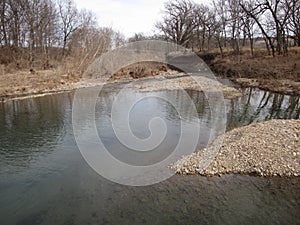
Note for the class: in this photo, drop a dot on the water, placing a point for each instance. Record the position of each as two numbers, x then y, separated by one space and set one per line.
257 106
44 179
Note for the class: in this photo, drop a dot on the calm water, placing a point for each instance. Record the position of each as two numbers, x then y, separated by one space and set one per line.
44 179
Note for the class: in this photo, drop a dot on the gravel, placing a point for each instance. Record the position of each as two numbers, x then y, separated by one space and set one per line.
266 149
196 83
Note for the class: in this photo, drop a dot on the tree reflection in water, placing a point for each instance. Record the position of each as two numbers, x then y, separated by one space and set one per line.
28 128
258 105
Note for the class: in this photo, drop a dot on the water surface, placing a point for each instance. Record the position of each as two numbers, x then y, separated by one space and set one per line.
44 179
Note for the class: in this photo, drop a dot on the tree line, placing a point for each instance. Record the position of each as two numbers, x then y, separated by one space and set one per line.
32 30
232 23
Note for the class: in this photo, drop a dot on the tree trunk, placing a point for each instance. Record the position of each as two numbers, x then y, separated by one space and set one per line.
220 47
4 33
64 46
267 46
203 40
251 45
31 48
272 47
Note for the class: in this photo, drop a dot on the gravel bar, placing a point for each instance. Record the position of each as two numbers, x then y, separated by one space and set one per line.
196 83
265 149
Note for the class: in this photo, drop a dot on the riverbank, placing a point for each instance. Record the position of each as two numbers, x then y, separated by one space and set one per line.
282 86
280 74
266 149
153 77
24 84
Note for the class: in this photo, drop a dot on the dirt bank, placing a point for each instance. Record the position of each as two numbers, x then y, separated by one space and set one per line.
283 86
269 148
24 84
280 74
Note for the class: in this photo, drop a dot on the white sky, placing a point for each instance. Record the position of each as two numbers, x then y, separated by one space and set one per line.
127 16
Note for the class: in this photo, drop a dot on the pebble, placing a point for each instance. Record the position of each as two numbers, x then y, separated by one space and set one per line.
183 82
257 151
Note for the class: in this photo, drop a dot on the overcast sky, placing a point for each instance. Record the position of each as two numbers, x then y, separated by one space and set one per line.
127 16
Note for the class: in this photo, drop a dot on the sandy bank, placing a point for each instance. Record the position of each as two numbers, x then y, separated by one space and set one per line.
269 148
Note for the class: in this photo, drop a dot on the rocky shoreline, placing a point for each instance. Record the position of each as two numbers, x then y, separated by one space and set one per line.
265 149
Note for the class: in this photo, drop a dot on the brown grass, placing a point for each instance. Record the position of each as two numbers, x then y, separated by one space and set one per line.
24 83
140 70
16 79
262 66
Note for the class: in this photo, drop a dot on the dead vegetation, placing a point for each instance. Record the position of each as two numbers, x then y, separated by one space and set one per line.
27 82
261 66
277 74
16 83
140 70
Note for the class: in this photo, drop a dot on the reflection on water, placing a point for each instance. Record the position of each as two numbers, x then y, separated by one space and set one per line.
44 179
140 116
259 105
31 128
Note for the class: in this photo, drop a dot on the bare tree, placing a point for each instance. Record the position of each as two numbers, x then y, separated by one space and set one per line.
218 34
69 17
204 31
248 27
39 31
220 6
178 22
255 10
294 20
138 37
280 11
33 19
17 19
3 22
118 39
235 15
89 42
271 16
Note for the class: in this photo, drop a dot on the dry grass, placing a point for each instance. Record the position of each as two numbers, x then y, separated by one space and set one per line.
21 83
36 82
140 70
261 66
17 81
279 74
18 78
